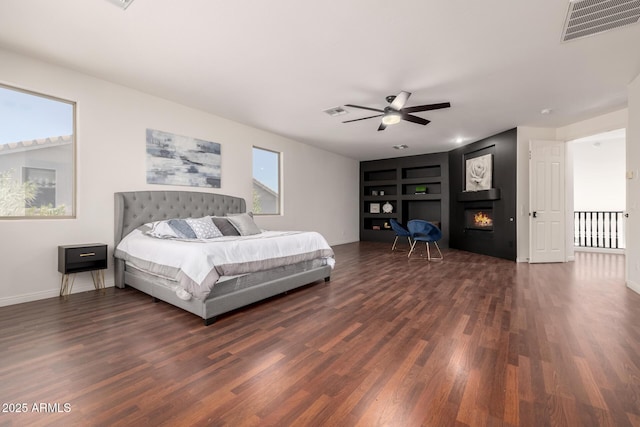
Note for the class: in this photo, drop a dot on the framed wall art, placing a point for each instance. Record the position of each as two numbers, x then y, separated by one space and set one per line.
479 173
182 160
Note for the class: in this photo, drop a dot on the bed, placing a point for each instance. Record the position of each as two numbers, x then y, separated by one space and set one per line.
228 291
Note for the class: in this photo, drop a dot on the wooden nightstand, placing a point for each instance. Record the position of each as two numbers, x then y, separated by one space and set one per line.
78 258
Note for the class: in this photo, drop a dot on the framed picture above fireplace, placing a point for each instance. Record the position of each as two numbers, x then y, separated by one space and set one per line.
479 173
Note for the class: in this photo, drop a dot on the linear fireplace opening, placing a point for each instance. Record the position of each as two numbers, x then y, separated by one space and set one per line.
478 219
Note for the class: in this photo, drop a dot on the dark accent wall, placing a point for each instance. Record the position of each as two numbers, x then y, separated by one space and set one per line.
501 242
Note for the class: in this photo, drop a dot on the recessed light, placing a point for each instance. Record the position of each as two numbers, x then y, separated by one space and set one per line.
459 140
400 146
545 111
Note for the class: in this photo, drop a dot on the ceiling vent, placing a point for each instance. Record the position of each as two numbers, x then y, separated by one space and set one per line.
339 111
124 4
589 17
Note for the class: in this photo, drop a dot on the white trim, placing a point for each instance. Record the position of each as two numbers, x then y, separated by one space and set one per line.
598 250
522 259
635 287
50 293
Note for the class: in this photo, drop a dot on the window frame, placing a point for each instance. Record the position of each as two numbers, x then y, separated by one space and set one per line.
279 204
74 170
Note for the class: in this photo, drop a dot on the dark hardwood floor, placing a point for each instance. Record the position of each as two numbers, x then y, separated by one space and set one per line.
470 341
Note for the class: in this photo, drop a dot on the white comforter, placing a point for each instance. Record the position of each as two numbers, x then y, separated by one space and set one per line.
197 265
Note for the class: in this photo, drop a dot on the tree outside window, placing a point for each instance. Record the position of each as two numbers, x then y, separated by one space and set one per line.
266 182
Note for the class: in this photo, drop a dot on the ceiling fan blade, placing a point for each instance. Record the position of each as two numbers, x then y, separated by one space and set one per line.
382 127
364 118
415 119
400 100
428 107
364 108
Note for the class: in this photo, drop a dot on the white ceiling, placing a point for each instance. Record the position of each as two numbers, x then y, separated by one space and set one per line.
276 65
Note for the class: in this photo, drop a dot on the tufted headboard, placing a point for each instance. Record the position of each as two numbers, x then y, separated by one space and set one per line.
134 208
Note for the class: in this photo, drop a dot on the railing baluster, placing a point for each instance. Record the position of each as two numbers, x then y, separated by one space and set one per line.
583 229
598 229
617 220
591 222
609 239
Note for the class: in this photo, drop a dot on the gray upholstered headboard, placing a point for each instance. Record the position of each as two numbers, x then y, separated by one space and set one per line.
134 208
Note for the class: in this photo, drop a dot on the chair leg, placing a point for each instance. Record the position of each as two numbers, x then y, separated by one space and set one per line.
439 251
426 244
434 258
413 245
393 248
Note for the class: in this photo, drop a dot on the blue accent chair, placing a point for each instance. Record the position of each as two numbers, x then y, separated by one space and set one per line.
424 231
401 231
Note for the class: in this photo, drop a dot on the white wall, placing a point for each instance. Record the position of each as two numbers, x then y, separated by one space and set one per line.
599 124
598 171
320 188
633 187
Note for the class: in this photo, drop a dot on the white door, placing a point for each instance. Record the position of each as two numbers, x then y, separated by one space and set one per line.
546 201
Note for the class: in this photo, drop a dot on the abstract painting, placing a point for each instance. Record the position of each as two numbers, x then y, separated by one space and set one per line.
479 171
182 160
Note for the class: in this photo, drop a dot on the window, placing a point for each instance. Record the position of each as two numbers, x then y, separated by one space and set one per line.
37 146
266 182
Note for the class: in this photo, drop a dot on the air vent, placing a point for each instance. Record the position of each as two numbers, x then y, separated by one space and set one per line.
589 17
339 111
124 4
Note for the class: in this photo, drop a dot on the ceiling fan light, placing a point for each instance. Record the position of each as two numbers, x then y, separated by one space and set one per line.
391 118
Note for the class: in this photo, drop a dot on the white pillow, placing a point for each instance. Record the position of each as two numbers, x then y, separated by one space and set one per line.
204 227
161 230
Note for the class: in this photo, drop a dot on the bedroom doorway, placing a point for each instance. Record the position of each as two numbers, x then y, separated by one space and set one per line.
599 192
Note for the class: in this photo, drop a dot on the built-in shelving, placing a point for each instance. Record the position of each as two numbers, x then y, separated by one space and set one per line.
417 187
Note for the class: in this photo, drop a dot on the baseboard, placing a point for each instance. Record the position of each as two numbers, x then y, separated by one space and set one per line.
598 250
50 293
522 259
635 287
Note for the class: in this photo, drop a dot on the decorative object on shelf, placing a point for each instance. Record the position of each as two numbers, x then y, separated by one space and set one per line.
479 171
386 226
421 189
382 192
374 208
374 192
387 208
375 227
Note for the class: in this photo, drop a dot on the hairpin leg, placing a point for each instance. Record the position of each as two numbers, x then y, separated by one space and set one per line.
393 248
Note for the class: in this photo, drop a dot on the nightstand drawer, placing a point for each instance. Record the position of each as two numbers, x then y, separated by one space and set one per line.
77 258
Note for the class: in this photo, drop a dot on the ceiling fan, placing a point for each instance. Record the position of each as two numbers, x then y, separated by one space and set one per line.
395 111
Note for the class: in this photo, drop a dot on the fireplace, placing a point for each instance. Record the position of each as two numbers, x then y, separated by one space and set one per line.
478 219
